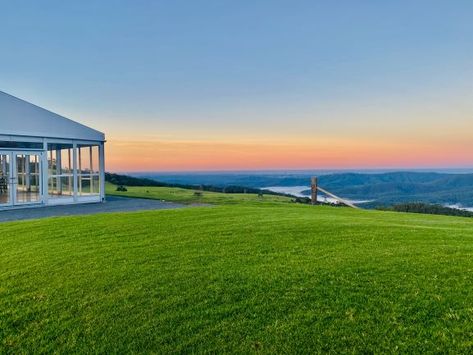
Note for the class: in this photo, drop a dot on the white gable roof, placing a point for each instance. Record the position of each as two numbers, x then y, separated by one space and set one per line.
20 118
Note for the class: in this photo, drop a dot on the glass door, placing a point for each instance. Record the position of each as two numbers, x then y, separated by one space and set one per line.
26 178
5 180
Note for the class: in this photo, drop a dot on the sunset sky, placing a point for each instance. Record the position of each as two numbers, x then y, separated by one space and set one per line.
236 85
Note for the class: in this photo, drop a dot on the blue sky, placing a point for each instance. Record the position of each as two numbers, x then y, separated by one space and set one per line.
245 70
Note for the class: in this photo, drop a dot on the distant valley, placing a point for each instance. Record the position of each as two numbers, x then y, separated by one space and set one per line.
381 189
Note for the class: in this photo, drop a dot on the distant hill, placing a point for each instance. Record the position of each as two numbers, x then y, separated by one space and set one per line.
391 188
255 180
383 188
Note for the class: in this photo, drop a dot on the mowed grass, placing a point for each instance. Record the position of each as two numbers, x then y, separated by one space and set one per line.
190 197
266 278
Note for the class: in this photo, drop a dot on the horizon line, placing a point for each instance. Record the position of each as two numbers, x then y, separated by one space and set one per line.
326 170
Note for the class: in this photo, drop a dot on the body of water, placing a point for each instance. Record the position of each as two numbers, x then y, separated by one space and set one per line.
292 190
459 207
297 191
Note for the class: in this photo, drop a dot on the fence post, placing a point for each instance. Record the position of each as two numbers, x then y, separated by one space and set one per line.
313 190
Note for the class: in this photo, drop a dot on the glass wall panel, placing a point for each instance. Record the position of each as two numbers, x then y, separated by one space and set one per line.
95 159
28 178
85 187
60 171
61 186
89 171
84 160
96 184
5 179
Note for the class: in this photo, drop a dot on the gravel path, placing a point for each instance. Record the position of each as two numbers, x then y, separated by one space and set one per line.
112 204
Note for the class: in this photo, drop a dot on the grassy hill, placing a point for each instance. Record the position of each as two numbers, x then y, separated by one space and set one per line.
189 196
245 276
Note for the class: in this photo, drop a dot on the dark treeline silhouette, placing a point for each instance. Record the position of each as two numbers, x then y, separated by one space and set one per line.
419 207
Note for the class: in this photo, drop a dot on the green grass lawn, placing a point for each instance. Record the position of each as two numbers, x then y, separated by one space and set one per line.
189 197
269 277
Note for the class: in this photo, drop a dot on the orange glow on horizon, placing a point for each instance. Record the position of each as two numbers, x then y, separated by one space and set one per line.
321 154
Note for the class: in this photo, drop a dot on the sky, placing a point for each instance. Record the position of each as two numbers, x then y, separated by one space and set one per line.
250 85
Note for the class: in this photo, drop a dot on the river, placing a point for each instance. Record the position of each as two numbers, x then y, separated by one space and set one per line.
297 191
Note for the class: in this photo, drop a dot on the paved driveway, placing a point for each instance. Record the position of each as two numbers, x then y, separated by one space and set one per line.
112 204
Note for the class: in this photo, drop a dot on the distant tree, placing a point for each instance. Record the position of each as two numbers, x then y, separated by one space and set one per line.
304 200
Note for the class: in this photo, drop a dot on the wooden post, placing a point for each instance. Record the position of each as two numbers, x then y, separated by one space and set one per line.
313 189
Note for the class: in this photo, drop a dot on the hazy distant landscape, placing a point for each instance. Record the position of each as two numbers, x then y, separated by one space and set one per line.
378 187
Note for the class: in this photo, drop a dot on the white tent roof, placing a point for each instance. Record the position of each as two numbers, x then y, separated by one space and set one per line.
20 118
